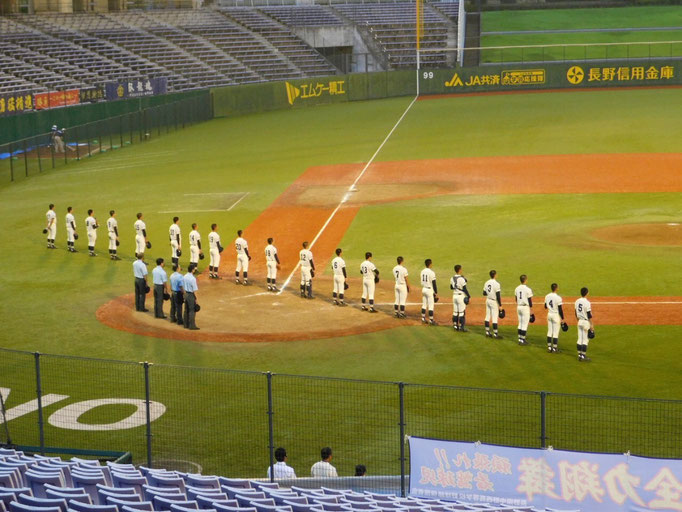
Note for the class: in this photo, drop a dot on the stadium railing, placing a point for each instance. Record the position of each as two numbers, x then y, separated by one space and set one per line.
230 422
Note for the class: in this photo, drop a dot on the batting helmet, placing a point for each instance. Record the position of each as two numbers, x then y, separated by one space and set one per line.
590 334
532 318
149 244
502 313
564 326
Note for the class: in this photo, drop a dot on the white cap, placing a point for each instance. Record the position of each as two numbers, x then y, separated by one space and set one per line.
54 126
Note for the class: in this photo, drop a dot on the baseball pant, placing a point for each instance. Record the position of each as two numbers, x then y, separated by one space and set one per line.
190 303
193 254
139 244
458 306
215 258
174 248
272 269
112 241
553 325
69 234
176 307
338 284
58 144
523 312
242 263
400 294
583 327
368 287
305 276
140 293
52 232
158 300
427 299
92 238
492 310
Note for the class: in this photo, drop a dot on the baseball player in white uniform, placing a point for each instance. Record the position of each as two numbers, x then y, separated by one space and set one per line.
195 245
583 312
112 229
214 249
460 299
555 318
51 227
370 276
71 234
272 264
174 238
243 258
307 271
429 292
91 230
402 288
523 296
493 304
141 236
339 277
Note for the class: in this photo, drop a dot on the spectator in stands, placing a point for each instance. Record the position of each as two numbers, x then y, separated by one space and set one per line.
360 470
282 471
323 468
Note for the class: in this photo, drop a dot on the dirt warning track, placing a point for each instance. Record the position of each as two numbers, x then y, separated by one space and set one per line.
235 313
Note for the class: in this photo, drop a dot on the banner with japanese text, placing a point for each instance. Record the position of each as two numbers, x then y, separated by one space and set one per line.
136 88
15 103
54 99
503 475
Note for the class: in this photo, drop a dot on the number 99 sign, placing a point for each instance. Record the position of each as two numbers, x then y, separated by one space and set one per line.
427 75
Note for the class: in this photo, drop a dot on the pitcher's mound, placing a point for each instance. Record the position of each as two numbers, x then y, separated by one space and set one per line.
231 312
664 233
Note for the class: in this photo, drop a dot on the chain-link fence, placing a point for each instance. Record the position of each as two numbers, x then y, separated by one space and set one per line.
28 157
230 422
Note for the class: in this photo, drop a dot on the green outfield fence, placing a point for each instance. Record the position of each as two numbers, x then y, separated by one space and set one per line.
93 129
229 422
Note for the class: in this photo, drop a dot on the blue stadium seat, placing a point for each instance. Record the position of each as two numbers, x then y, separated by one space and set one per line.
25 499
9 478
336 507
234 482
304 508
84 507
164 502
175 507
370 505
83 497
203 482
245 499
88 484
222 508
158 480
20 507
145 506
129 480
264 485
325 499
209 494
281 499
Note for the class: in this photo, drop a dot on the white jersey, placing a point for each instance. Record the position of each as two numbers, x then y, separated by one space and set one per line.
582 308
552 302
270 253
523 293
457 283
90 224
427 277
194 238
112 225
338 265
70 221
140 226
491 287
174 233
241 245
400 274
51 217
367 269
213 240
306 257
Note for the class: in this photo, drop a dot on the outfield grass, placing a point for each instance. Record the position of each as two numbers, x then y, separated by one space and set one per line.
51 297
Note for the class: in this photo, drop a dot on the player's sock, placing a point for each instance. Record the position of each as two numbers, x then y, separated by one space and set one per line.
495 328
549 341
341 297
302 286
487 327
423 315
334 295
555 343
246 276
310 290
402 309
455 321
461 322
371 304
579 349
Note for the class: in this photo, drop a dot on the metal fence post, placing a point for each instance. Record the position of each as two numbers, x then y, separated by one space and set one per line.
36 141
25 157
148 413
401 390
39 393
271 430
543 419
11 163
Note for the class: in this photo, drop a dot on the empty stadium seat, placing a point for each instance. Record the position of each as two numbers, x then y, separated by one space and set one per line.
25 499
36 480
133 507
85 507
203 482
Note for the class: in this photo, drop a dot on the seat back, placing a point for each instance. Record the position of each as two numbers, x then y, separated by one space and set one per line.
83 497
157 480
203 482
25 499
85 507
15 506
36 480
135 507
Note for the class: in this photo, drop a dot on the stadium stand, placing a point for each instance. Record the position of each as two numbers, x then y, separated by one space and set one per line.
50 484
303 15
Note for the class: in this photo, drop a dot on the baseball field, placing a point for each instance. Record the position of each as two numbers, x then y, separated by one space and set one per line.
578 188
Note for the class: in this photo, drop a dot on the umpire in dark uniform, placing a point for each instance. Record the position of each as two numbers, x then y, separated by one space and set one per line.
160 287
140 272
189 284
176 295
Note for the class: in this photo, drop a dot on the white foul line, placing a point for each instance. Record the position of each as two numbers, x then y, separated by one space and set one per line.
238 201
348 192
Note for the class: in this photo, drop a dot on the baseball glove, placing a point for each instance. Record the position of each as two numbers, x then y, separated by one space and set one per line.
166 296
502 313
345 286
376 279
147 289
436 298
44 231
75 236
532 318
590 334
221 249
118 243
149 244
201 256
466 300
312 273
178 252
564 326
197 307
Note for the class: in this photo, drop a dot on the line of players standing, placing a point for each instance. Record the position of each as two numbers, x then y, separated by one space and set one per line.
370 276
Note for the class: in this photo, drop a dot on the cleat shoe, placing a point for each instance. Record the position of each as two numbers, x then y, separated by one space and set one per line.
336 302
550 349
497 336
432 322
92 254
464 329
364 308
396 314
342 304
455 327
246 283
403 315
274 288
372 310
488 335
237 281
523 342
424 320
310 297
302 295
